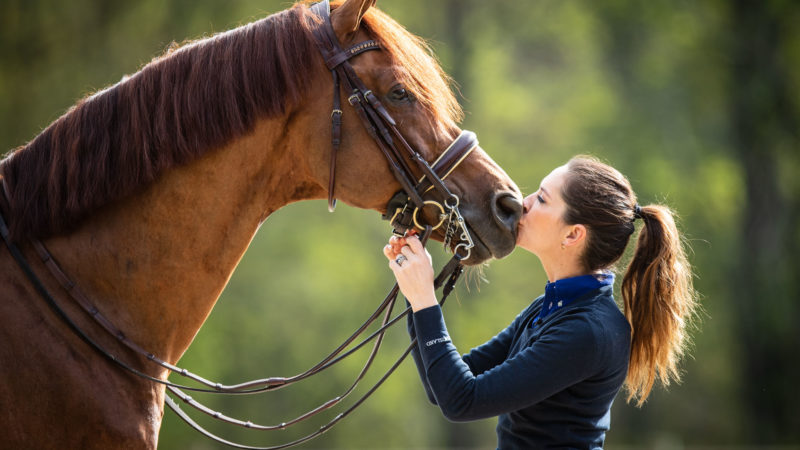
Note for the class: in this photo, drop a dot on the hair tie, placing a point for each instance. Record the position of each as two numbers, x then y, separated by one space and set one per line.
637 212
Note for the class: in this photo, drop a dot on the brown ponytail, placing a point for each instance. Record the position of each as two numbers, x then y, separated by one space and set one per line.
657 293
659 303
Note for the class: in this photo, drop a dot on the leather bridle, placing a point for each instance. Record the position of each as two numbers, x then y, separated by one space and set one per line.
403 209
402 212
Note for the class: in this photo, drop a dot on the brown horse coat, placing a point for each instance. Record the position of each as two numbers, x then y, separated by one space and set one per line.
149 192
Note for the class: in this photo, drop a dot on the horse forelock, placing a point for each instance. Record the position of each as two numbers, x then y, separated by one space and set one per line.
419 71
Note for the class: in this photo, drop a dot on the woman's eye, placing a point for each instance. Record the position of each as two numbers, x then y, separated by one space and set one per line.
541 200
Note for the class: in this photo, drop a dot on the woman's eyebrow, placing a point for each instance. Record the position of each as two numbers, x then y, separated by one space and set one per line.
544 191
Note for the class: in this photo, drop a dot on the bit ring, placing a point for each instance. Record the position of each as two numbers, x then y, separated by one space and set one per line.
442 215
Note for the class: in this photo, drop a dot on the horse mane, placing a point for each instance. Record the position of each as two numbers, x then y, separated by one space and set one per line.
194 98
416 68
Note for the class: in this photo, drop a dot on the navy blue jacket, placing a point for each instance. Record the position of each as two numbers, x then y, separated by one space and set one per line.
551 376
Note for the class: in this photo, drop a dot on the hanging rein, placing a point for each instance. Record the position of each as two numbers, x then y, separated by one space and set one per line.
402 212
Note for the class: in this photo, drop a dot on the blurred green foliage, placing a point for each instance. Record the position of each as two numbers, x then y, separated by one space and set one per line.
697 102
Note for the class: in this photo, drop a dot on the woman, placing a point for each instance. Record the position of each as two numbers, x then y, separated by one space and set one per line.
552 375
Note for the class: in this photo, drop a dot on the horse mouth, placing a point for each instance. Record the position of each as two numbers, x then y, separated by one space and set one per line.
479 253
491 238
482 252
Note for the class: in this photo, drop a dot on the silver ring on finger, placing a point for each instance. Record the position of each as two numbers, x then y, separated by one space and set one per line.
399 260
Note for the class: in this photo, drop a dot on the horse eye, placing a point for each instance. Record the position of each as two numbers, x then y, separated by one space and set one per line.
399 94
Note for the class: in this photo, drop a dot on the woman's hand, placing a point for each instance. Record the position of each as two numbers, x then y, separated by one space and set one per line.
414 271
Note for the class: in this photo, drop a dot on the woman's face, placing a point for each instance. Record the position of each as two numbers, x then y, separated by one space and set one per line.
542 229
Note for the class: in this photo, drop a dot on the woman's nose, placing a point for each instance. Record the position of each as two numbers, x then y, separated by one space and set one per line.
526 204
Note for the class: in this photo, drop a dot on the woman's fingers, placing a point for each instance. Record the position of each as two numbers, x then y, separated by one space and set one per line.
397 243
409 246
415 244
407 251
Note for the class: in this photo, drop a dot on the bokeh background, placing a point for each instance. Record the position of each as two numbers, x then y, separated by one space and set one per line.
697 102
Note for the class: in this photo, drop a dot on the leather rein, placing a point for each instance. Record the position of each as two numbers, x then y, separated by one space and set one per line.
402 212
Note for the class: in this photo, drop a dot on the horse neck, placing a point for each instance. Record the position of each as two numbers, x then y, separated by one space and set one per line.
156 263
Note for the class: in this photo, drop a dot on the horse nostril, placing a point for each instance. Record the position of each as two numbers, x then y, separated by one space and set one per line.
507 210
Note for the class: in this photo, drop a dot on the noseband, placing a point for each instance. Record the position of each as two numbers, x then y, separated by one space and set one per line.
403 209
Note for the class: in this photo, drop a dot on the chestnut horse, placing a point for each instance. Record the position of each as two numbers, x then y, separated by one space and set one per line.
149 192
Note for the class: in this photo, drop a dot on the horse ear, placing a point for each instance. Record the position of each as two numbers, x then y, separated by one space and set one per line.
347 17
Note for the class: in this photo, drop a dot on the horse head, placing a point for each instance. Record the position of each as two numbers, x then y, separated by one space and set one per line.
411 89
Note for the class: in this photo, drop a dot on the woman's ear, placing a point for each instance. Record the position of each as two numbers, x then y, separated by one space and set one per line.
576 235
347 17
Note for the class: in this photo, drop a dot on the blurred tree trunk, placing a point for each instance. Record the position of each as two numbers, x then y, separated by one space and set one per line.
764 133
458 40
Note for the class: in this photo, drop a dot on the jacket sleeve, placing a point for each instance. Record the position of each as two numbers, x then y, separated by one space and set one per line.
561 357
479 360
415 355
